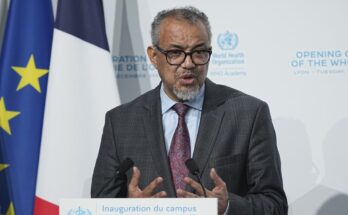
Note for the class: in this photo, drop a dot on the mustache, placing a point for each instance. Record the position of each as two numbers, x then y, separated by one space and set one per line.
193 74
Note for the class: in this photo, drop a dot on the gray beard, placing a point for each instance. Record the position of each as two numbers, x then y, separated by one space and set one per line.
186 95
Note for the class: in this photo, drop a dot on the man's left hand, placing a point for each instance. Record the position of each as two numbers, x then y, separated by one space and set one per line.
219 191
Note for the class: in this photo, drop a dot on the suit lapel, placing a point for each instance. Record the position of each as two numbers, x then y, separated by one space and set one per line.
154 131
209 126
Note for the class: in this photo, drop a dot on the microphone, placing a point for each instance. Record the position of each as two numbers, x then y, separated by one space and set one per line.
193 168
125 166
118 181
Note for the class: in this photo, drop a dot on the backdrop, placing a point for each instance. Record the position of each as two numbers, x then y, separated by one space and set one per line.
291 54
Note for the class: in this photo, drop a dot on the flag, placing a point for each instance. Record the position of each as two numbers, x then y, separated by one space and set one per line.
81 88
24 66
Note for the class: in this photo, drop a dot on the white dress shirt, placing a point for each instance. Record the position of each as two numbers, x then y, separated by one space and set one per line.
192 117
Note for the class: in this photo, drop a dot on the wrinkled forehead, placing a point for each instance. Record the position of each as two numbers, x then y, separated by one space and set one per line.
173 26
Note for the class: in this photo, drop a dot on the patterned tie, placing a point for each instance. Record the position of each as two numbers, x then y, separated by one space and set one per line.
180 148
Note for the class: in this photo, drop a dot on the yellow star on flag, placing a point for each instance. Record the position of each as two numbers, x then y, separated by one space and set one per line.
3 166
30 75
10 210
6 116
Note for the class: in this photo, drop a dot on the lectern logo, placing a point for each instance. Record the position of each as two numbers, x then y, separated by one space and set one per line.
79 211
227 40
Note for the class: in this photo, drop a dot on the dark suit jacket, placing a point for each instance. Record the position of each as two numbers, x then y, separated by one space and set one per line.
235 136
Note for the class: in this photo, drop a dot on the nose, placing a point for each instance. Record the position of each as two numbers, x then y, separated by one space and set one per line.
188 63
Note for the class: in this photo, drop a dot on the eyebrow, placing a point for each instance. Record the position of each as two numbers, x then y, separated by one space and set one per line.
193 48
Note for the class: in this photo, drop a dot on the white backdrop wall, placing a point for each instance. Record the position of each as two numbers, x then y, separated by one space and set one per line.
293 54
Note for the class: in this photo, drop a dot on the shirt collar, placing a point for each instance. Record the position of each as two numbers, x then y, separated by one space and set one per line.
168 103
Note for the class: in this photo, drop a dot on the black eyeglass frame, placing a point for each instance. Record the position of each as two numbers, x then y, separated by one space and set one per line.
166 52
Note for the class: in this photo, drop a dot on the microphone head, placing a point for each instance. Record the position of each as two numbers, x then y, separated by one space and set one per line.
192 166
125 166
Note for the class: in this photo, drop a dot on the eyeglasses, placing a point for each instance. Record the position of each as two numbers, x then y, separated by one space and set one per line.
177 57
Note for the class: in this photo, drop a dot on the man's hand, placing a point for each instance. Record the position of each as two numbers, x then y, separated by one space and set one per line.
219 191
135 192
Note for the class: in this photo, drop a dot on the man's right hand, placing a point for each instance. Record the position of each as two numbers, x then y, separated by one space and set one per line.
148 192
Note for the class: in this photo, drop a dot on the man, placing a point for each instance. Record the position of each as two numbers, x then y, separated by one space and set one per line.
228 133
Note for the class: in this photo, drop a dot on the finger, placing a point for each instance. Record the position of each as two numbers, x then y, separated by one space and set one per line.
195 185
160 194
185 194
216 178
135 178
149 189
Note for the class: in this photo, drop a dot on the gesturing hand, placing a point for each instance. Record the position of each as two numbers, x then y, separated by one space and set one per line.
135 192
219 191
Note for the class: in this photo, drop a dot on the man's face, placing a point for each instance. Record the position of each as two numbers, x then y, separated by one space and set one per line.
180 82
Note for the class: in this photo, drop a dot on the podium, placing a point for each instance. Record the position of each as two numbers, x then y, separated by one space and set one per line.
139 206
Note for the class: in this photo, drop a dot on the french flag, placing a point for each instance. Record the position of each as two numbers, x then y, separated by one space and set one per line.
81 88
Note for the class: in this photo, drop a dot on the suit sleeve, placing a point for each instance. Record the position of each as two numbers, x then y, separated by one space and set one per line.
105 184
265 194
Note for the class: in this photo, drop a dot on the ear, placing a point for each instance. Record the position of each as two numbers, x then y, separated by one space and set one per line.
152 54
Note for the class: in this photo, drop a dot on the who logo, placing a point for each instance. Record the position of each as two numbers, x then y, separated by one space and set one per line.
228 40
79 211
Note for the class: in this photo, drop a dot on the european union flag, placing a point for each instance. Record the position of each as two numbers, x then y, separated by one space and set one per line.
24 66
